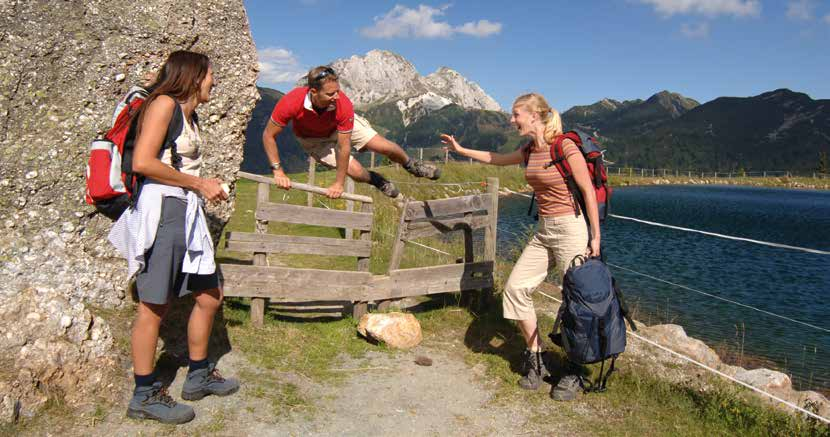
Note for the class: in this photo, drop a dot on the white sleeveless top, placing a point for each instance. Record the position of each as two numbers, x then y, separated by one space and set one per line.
188 146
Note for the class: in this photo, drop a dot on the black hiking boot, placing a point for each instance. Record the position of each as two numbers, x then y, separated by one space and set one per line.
152 402
384 185
208 381
533 370
566 389
421 169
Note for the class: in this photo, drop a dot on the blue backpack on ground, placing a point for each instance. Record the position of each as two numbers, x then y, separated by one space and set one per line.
591 318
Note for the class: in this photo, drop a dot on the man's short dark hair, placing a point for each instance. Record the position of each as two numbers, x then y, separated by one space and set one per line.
317 76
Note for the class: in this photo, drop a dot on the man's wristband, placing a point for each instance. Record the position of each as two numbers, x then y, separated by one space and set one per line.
276 165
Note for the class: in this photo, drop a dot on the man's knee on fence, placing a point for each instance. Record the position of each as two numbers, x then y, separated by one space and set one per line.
517 302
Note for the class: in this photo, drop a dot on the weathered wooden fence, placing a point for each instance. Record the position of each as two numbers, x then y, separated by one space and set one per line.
264 283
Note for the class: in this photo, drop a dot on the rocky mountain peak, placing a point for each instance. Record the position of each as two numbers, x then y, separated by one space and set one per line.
381 76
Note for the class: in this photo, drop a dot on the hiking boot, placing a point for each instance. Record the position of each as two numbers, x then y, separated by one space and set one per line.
388 188
153 402
208 381
566 389
533 369
420 169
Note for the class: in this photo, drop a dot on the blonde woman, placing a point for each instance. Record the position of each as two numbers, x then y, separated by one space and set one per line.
562 233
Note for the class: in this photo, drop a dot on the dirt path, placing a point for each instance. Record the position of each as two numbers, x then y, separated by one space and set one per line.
383 394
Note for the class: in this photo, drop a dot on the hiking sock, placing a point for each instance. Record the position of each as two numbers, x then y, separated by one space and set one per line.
376 180
196 365
409 163
144 380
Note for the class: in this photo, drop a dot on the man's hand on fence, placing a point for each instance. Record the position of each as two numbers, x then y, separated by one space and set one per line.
335 190
281 179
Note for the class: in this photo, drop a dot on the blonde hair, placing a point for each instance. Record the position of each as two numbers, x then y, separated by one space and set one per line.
536 103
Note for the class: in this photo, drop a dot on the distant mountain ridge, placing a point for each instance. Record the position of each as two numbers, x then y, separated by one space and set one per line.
776 130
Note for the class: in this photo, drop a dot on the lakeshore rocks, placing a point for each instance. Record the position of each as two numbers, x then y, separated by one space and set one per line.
397 330
779 384
63 66
674 337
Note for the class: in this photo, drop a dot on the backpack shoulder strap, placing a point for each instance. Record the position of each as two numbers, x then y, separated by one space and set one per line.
174 129
526 151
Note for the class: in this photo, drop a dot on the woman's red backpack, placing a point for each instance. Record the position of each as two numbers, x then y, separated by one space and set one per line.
592 153
111 185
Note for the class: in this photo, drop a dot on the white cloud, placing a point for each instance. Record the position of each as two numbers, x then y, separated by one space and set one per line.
278 65
711 8
404 22
800 9
701 30
480 29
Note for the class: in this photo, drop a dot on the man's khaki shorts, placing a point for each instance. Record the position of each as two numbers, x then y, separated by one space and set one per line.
323 150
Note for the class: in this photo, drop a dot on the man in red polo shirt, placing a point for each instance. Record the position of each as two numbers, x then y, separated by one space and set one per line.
327 127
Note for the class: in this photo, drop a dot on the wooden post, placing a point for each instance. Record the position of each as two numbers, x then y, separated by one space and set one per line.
471 160
372 160
630 172
398 244
446 156
490 233
312 169
421 153
363 264
349 205
260 259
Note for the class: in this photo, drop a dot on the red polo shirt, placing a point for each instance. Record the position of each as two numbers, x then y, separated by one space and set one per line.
296 106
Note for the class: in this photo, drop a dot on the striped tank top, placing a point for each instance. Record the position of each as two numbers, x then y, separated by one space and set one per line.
552 194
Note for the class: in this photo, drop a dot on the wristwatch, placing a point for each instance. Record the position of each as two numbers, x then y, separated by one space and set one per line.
276 165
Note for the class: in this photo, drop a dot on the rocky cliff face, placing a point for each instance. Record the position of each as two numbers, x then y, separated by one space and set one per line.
63 66
382 76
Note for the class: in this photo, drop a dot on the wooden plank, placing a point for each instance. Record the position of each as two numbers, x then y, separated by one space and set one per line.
438 279
443 207
442 225
283 284
268 243
283 212
303 187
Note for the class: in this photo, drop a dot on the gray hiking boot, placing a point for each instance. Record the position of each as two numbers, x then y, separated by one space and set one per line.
567 388
420 169
203 382
153 402
534 370
388 188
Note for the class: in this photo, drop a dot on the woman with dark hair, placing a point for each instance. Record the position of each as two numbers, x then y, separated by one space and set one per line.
562 233
165 237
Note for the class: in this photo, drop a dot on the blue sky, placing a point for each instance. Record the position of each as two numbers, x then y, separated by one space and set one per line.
573 52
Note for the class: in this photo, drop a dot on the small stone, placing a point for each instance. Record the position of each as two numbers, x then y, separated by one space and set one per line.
34 317
122 55
66 322
9 224
31 175
5 183
67 227
120 77
423 361
214 118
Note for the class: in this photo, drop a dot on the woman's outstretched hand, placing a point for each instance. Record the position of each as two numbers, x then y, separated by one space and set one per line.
452 144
